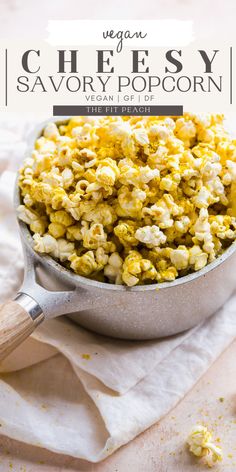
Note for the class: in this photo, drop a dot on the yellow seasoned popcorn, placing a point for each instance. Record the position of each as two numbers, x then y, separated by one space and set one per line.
132 200
201 445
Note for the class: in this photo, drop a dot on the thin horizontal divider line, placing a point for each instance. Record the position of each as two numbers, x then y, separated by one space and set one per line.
113 110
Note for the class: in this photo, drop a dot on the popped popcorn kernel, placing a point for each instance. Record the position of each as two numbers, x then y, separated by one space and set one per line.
201 445
129 200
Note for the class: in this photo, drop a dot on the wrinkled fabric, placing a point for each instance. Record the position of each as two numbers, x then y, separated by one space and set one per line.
82 394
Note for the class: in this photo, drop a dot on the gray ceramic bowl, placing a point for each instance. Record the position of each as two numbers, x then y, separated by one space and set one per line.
142 312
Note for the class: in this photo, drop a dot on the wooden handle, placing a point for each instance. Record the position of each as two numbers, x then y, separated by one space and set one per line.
15 326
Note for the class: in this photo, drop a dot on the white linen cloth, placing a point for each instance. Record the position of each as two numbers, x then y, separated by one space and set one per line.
82 394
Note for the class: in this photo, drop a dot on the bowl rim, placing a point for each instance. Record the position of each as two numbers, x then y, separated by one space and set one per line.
84 281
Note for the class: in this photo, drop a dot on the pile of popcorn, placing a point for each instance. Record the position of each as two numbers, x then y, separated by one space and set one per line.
132 200
201 445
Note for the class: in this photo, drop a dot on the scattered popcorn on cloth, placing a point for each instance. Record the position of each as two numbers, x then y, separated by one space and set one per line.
79 393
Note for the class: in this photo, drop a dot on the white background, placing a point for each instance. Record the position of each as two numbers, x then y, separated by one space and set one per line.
29 18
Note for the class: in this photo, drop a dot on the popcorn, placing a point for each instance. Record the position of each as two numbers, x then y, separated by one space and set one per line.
113 269
141 137
51 131
83 265
168 184
44 145
131 174
45 244
180 257
204 198
182 224
185 130
107 172
161 131
60 249
132 200
202 225
147 174
36 223
52 178
162 211
56 230
136 268
197 257
231 166
67 178
61 217
101 258
125 232
201 445
74 233
152 236
28 201
128 203
93 237
101 213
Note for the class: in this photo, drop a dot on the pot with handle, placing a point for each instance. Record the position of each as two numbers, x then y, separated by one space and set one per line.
140 312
